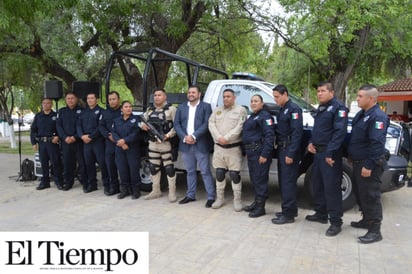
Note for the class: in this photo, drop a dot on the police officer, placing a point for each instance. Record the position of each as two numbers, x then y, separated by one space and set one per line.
125 132
161 116
71 145
328 134
225 126
88 130
367 153
105 126
258 137
43 136
289 131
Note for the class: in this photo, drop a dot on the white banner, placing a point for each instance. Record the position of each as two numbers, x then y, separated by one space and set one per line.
74 252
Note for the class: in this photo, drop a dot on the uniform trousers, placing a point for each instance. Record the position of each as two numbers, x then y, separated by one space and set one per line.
369 192
259 174
49 152
288 175
128 162
94 152
109 151
72 155
327 192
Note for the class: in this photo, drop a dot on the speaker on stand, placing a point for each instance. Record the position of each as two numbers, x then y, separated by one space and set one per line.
53 89
83 88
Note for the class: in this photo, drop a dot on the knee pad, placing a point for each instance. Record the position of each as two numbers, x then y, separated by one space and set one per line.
170 170
220 174
154 169
235 176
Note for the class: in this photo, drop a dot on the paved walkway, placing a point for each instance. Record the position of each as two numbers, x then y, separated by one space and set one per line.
193 239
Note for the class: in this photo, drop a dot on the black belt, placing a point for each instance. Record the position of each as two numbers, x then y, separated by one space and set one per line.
230 145
44 139
321 148
253 146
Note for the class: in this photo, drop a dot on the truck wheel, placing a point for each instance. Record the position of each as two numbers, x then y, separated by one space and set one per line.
348 194
146 182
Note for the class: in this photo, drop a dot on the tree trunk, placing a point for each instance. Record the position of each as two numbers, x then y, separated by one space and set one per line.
340 81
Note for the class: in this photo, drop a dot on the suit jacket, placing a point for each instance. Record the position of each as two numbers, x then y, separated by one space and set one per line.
204 141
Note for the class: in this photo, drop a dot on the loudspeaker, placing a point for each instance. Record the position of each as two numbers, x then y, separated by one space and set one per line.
82 88
53 89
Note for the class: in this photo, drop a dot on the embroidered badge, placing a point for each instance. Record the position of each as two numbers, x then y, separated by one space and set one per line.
342 113
330 108
97 112
133 121
218 112
269 122
79 111
295 116
366 118
378 125
286 111
54 118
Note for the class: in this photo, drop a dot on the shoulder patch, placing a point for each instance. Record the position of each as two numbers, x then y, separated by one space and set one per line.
295 116
342 113
379 125
269 122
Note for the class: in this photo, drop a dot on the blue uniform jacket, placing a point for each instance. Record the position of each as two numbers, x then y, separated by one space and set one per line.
106 122
368 136
289 128
88 122
259 128
66 122
43 126
125 129
203 138
331 121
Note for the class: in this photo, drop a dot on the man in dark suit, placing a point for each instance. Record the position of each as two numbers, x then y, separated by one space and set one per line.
191 125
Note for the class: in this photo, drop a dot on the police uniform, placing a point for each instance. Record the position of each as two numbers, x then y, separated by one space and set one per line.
161 153
128 161
88 124
43 130
258 138
72 153
228 122
367 149
328 134
105 126
289 131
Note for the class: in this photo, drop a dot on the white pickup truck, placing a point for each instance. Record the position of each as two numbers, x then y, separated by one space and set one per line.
394 177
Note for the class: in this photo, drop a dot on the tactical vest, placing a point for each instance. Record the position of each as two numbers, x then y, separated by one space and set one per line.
159 120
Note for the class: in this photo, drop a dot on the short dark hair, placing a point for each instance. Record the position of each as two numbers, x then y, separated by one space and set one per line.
328 85
281 89
194 86
258 95
125 102
229 90
114 92
159 89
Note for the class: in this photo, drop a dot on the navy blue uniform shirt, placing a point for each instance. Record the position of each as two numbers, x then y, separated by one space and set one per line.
331 121
88 122
66 122
44 125
259 128
368 136
106 122
289 128
126 129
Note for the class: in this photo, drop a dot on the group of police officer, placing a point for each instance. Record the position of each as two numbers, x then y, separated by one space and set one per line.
88 135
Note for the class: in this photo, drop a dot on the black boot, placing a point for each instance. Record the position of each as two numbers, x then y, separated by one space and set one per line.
250 207
259 209
114 190
124 192
106 190
373 234
135 192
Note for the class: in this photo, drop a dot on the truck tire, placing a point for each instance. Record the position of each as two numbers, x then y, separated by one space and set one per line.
348 194
146 181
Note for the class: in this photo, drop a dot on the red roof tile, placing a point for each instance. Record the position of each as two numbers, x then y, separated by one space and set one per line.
399 85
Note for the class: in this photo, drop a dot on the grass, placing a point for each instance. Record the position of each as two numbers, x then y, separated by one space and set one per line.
26 147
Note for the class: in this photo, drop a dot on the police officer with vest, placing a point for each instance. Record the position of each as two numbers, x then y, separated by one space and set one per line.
125 132
225 126
289 131
328 134
88 130
258 137
44 138
71 145
161 116
105 125
367 153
